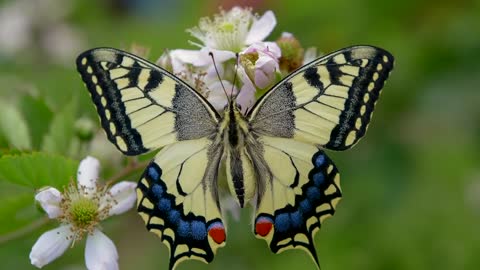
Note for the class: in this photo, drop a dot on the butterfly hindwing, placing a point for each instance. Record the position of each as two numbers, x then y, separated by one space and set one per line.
178 200
328 102
302 192
141 106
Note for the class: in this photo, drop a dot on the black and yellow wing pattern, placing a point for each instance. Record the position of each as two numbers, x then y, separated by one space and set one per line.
143 107
327 103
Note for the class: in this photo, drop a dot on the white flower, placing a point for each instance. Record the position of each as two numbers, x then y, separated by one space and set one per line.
80 209
233 30
260 61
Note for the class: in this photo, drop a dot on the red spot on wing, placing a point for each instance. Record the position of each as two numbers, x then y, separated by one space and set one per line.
217 233
263 226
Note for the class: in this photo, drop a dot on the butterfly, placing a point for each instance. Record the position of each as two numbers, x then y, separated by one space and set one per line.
273 156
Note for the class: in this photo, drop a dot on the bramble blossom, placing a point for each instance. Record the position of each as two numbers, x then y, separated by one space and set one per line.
236 34
80 209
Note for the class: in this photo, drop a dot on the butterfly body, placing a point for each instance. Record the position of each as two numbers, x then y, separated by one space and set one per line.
275 153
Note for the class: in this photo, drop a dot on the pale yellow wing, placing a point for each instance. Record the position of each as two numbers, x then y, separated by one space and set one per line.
328 102
301 190
177 198
141 106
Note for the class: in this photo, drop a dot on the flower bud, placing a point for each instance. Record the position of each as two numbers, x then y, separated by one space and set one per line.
260 61
84 128
292 53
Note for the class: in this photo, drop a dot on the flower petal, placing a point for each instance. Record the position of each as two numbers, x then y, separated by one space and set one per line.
246 97
100 252
87 175
216 94
51 245
124 197
50 198
261 28
200 57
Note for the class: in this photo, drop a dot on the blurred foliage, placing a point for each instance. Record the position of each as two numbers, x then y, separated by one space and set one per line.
411 187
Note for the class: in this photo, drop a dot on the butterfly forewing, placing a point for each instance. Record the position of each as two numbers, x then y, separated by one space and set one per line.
141 106
328 102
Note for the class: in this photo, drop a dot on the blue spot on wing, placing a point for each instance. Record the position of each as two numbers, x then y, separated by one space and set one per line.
157 190
318 178
164 205
282 222
154 173
313 193
320 160
297 219
199 230
173 216
305 206
184 228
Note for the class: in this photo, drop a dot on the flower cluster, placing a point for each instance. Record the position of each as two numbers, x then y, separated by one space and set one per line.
259 65
80 209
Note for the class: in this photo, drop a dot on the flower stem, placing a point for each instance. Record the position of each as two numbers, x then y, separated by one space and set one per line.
24 230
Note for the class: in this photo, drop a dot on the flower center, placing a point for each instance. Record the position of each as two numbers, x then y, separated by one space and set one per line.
83 212
227 27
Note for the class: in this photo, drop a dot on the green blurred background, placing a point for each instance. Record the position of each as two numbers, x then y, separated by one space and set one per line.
411 187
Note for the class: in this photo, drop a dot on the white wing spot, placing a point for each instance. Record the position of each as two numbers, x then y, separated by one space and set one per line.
99 90
371 86
121 143
379 67
351 137
375 76
363 109
94 79
385 59
103 101
104 65
89 70
366 97
113 128
358 123
84 61
107 114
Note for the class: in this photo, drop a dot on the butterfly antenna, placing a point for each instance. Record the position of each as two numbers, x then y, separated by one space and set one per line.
235 76
218 75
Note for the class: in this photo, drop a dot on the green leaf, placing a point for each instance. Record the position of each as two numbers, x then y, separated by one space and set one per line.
13 126
19 210
61 132
37 170
38 116
20 176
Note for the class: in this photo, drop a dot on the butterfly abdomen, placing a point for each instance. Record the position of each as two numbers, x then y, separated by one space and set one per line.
240 171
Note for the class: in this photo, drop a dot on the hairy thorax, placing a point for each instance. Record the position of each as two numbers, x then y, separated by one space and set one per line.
238 142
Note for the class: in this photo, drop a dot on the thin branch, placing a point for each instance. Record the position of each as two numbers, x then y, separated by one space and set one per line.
24 231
